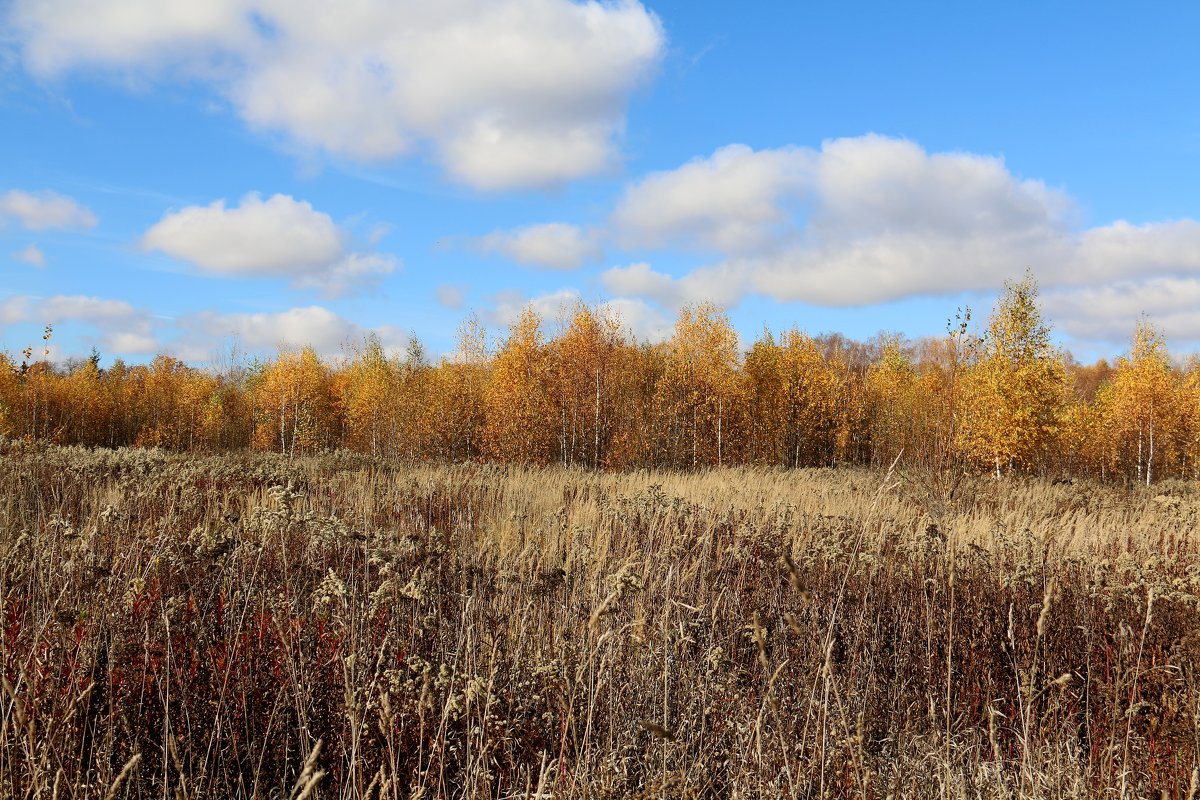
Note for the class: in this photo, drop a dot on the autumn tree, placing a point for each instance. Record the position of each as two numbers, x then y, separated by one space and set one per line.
850 361
585 357
1086 379
367 390
697 397
638 433
10 397
1144 408
594 396
794 396
228 417
1015 390
413 419
1190 413
169 401
456 395
116 386
762 391
293 403
33 414
519 411
87 406
1083 441
894 399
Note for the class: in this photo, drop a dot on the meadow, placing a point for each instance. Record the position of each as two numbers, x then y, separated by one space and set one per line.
343 626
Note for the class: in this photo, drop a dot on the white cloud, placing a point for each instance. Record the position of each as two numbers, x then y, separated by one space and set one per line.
873 219
1122 250
733 201
640 319
553 245
132 343
121 328
315 326
723 284
640 280
353 272
378 233
894 266
45 210
14 309
126 33
276 237
31 255
553 307
510 93
1109 313
87 309
491 155
875 185
556 309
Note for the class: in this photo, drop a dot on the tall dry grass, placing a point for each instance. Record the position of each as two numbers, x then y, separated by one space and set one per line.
179 626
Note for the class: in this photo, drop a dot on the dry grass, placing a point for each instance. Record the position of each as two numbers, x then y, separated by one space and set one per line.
180 626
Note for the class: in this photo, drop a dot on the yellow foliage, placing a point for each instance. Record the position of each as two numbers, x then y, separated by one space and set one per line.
294 404
797 400
519 417
698 395
592 396
1144 410
585 360
1015 391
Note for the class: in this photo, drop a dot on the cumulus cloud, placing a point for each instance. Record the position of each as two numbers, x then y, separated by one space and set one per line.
875 184
120 327
733 201
643 321
553 307
872 219
1109 313
640 280
352 272
127 33
1125 250
510 93
31 255
553 245
723 284
14 309
45 210
309 326
276 237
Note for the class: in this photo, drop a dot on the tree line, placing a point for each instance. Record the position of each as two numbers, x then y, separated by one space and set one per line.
1003 399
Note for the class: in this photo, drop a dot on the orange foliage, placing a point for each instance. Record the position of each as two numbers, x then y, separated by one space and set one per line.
593 396
294 404
519 411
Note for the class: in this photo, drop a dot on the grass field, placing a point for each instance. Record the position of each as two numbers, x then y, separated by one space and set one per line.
250 625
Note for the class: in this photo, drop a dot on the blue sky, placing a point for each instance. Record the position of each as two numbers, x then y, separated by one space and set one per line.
178 175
